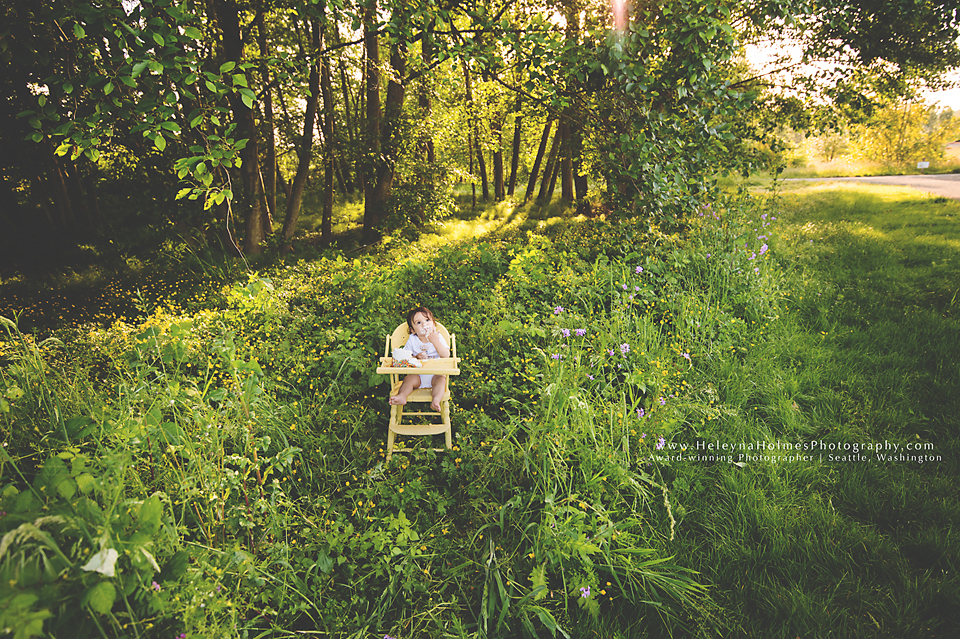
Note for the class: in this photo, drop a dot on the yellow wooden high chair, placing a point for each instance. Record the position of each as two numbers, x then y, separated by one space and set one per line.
425 421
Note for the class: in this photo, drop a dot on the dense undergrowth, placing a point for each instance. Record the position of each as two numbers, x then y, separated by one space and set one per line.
221 472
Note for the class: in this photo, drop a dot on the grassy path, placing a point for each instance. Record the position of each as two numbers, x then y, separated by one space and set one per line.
845 544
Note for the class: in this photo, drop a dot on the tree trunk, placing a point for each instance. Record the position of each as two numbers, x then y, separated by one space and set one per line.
566 161
496 127
350 122
79 198
473 183
228 19
515 154
329 163
93 202
532 181
474 132
377 194
553 182
372 204
282 183
306 144
68 221
550 172
573 133
270 179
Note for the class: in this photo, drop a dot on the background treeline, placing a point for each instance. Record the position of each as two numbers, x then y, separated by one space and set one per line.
217 121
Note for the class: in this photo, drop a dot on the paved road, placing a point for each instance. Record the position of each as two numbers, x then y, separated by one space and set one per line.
944 185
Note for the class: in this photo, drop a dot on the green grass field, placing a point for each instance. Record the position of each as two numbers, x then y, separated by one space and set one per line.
659 431
866 354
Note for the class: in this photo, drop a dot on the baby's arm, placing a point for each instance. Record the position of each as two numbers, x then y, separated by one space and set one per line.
441 344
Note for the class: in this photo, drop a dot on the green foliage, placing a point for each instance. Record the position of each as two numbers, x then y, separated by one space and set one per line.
240 446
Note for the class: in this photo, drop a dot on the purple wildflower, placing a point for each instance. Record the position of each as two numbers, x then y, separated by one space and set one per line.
640 413
555 356
661 442
624 349
764 249
686 355
624 286
558 310
580 332
611 352
639 269
663 401
155 586
565 332
585 592
590 376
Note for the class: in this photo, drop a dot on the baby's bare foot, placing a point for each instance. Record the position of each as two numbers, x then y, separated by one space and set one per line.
396 400
435 406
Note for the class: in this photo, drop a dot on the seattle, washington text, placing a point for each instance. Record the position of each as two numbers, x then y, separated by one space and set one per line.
813 450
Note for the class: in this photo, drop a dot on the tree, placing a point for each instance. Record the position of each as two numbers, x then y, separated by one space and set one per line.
305 151
905 133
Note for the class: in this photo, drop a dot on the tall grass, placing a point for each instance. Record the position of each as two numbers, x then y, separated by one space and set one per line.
233 457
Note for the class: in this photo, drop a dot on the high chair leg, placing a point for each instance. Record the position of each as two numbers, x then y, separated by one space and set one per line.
445 408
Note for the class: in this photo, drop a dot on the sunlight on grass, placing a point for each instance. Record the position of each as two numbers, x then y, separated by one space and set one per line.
497 217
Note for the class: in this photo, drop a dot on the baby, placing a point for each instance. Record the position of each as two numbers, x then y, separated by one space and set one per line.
427 343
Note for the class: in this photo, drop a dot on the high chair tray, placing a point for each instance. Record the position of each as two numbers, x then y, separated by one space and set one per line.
441 366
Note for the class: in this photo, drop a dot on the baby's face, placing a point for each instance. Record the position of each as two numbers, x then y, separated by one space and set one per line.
420 324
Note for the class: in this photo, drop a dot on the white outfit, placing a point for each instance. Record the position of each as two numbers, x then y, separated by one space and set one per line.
415 345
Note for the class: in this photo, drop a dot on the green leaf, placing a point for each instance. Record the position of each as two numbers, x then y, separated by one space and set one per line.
227 66
108 89
239 80
247 100
160 143
78 31
86 482
158 39
550 622
149 515
100 598
193 33
539 578
30 624
170 126
138 68
182 193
